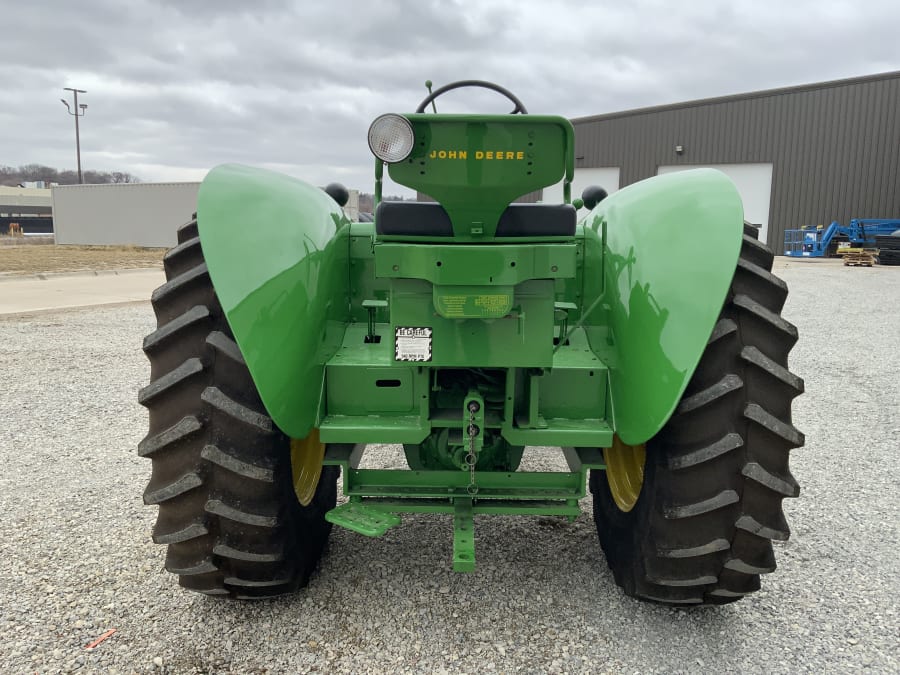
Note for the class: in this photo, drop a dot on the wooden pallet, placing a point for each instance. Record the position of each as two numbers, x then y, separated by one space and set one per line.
859 258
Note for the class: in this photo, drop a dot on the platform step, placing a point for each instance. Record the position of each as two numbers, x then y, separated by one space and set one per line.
363 519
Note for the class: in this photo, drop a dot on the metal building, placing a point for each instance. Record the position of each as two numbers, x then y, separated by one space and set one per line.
140 214
799 155
27 209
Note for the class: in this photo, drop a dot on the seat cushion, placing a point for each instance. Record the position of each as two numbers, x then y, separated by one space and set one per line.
418 219
537 220
428 219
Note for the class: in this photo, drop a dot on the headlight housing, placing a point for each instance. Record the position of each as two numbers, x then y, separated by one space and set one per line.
391 138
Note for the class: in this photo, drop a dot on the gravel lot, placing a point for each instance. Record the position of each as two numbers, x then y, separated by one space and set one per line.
76 558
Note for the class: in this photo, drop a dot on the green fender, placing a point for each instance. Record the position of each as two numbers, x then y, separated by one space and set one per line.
665 251
277 253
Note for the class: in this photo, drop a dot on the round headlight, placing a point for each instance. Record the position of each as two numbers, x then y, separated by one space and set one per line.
391 138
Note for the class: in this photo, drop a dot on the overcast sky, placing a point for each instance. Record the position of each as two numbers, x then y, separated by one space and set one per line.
176 87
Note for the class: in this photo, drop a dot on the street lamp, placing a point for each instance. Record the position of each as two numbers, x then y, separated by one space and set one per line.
77 114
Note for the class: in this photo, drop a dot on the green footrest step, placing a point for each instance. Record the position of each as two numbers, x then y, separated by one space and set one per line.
363 519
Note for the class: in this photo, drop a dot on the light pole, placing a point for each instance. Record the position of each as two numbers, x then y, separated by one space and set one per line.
77 114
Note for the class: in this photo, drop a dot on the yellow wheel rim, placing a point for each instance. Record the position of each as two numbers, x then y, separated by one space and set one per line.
625 472
306 465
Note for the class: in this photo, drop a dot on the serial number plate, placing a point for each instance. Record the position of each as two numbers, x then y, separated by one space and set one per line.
412 344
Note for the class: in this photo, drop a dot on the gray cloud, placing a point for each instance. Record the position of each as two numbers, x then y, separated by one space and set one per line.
175 87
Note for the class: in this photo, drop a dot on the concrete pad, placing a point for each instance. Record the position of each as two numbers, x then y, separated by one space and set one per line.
43 292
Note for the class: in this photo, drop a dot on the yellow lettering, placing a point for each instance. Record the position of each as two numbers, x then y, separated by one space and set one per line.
498 154
433 154
442 154
520 155
489 154
463 154
479 154
451 154
510 155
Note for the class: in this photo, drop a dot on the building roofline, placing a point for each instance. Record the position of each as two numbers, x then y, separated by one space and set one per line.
110 185
765 93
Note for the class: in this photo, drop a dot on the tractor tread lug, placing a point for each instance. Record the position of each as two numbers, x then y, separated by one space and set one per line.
181 248
748 304
753 355
787 487
223 510
185 427
265 593
724 445
705 580
219 400
779 533
729 383
192 531
722 328
755 249
214 454
763 274
715 546
671 601
165 332
726 593
183 484
173 378
205 566
756 413
720 501
226 551
175 285
225 346
738 565
257 583
188 231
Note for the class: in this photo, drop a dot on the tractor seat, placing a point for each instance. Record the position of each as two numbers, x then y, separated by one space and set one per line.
427 219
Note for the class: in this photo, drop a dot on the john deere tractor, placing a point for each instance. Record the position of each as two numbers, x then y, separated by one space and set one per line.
639 336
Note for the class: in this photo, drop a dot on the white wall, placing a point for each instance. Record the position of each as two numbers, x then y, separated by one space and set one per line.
24 201
140 214
754 183
606 177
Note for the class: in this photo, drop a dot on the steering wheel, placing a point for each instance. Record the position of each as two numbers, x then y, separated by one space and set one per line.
473 83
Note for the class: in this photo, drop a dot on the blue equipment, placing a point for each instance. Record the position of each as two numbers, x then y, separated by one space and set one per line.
814 241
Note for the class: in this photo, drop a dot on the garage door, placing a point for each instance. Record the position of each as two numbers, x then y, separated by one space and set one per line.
754 183
605 177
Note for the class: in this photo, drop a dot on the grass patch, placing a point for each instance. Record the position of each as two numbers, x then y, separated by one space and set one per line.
27 258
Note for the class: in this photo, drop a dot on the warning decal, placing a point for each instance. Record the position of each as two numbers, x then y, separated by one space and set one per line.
412 344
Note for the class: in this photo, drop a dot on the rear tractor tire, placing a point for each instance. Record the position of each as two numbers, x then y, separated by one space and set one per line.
221 469
693 523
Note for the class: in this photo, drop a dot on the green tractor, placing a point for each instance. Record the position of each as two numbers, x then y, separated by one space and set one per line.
643 342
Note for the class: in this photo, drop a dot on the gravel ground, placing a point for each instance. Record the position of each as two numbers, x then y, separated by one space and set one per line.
76 558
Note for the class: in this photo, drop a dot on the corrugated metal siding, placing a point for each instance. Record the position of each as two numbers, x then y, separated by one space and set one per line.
834 146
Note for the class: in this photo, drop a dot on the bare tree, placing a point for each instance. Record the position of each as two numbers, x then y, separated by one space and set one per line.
13 176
